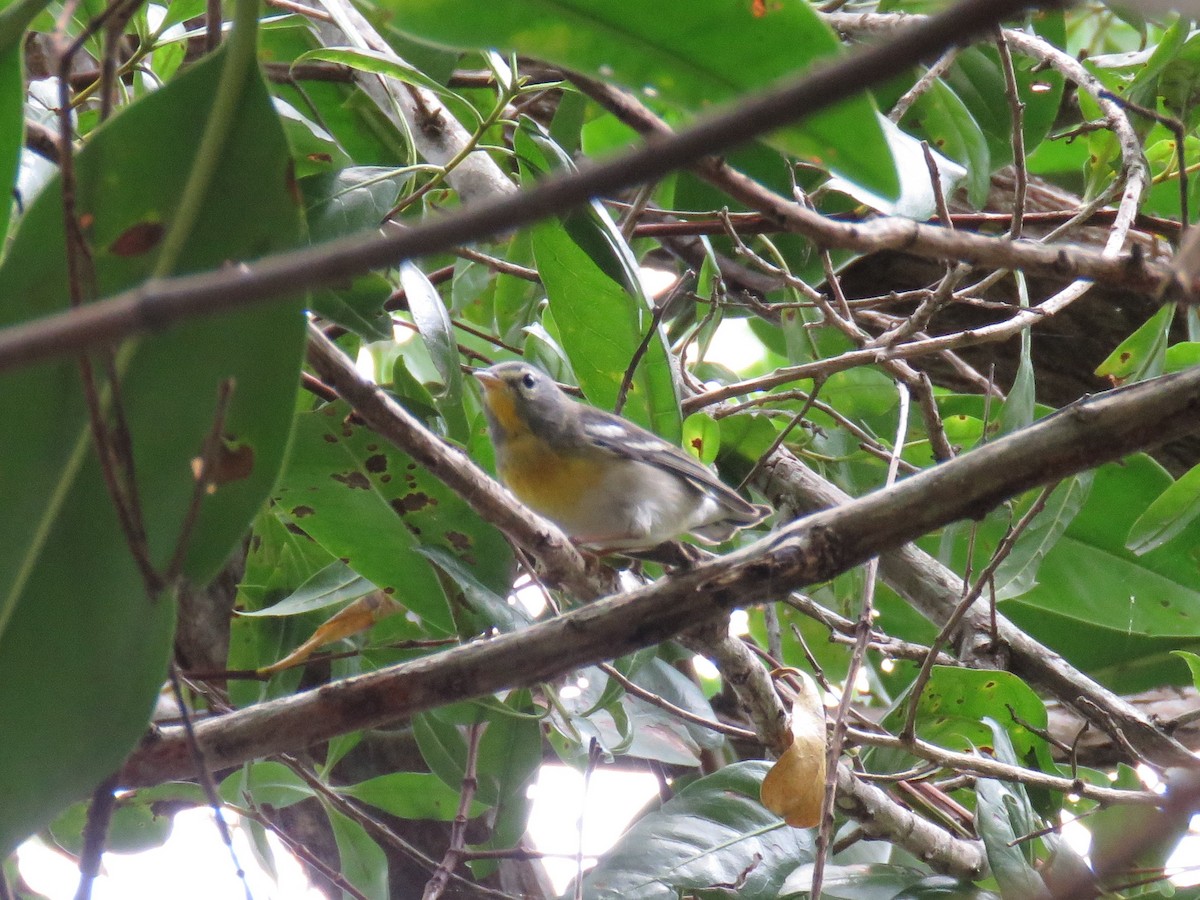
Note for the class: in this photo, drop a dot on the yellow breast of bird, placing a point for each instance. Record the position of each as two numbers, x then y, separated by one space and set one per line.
544 481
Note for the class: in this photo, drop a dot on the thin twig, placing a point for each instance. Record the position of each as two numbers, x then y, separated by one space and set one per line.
656 317
857 656
458 829
204 775
95 833
1002 552
679 712
923 84
1017 110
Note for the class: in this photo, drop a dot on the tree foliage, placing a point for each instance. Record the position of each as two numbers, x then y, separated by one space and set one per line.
926 234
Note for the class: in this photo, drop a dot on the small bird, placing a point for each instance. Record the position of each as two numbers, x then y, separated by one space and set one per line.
605 481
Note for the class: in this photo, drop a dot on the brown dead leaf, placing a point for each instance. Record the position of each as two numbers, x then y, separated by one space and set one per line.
794 787
358 616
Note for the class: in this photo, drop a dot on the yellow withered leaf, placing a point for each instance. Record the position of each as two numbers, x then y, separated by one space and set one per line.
358 616
796 783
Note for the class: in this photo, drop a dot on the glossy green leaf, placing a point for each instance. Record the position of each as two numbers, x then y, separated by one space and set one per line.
601 326
1018 409
76 629
134 828
371 505
591 227
13 20
955 703
702 437
703 836
635 44
515 300
978 80
354 120
350 200
358 307
482 607
1169 513
1002 817
280 559
12 89
314 149
663 680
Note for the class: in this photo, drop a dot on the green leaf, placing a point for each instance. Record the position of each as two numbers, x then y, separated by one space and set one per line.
265 782
76 629
955 703
951 129
705 835
433 321
1142 355
1090 576
509 750
372 506
635 44
351 200
702 437
600 326
362 861
880 882
410 795
1168 515
1001 817
13 21
135 827
978 81
1193 664
12 93
357 308
377 64
1018 572
663 680
487 608
1018 409
336 583
1004 819
313 148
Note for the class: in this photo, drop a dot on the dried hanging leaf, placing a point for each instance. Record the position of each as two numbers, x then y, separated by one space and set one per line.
796 783
358 616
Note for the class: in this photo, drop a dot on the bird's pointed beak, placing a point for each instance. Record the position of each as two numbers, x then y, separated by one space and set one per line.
489 379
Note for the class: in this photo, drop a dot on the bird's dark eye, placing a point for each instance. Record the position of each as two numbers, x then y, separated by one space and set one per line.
528 381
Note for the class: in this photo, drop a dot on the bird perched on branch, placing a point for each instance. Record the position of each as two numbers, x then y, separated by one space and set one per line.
604 480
